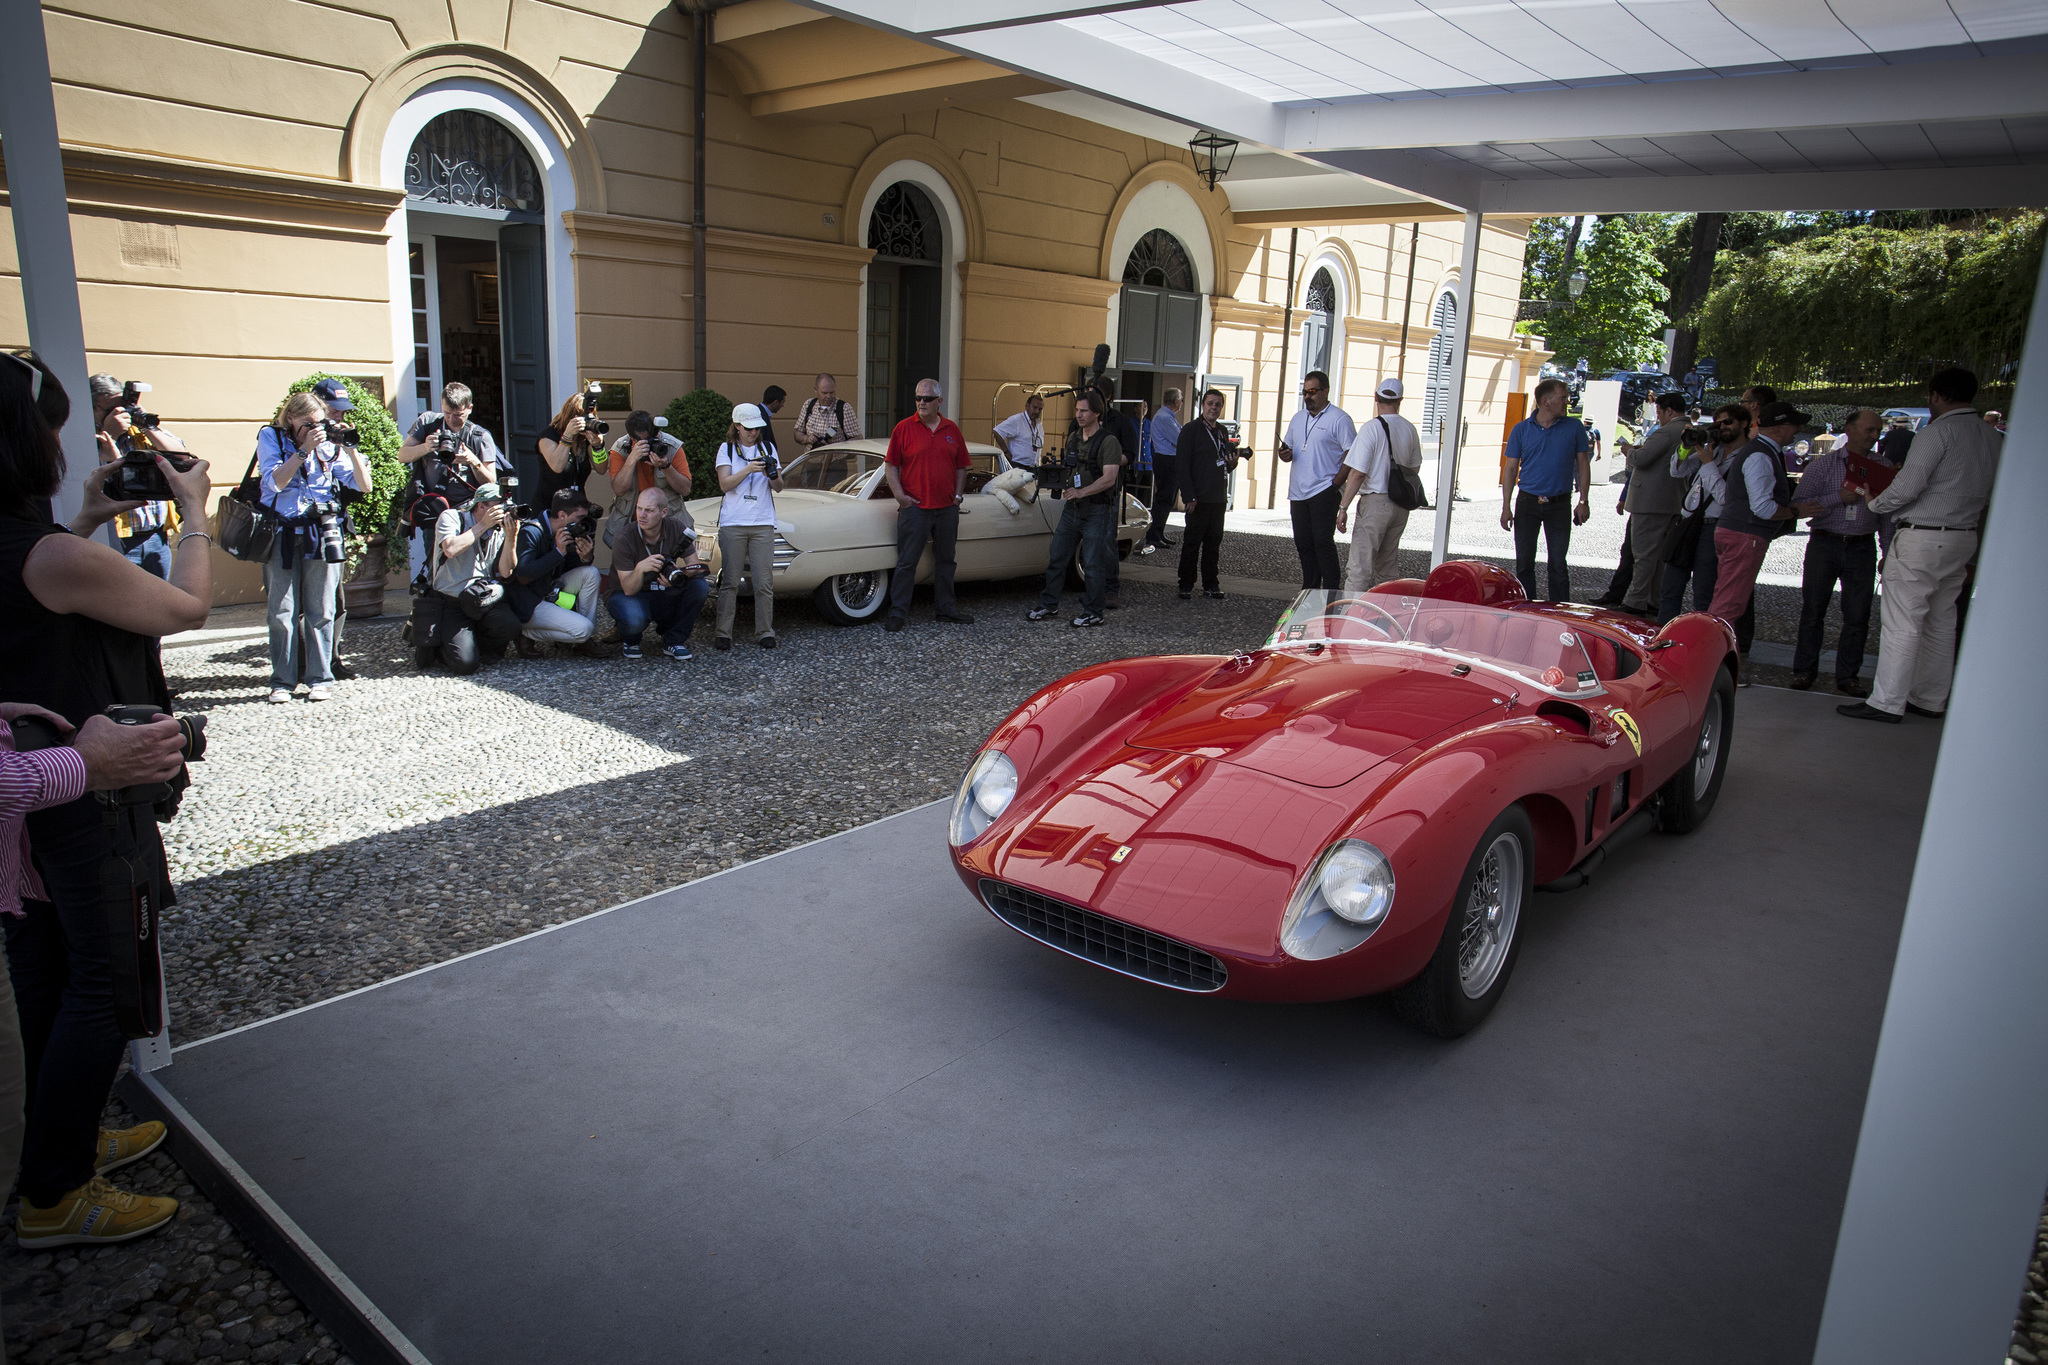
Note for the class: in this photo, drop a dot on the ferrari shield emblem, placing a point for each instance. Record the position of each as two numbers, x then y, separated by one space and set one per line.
1628 726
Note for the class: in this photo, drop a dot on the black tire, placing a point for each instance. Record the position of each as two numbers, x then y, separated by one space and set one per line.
1443 1000
852 599
1689 796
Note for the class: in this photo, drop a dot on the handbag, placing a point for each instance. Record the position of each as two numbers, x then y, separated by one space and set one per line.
244 525
1404 485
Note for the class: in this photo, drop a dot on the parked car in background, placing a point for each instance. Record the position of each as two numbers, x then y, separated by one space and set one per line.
835 529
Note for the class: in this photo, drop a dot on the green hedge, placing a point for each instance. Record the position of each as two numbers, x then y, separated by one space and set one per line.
700 420
378 513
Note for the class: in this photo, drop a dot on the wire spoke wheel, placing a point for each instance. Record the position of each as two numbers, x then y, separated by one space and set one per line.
1708 752
1492 910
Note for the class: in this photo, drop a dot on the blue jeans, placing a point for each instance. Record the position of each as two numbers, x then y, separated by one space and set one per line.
671 610
1094 530
302 602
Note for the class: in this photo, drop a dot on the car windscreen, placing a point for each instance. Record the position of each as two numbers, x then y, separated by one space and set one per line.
829 469
1526 645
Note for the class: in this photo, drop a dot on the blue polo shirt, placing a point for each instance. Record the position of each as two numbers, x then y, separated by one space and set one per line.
1549 455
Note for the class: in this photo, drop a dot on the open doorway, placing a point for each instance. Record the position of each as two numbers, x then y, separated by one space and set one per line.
905 303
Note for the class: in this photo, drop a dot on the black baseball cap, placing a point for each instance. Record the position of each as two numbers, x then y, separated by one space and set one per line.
1781 414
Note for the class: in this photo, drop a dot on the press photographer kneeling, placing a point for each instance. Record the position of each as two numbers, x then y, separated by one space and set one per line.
553 587
463 617
661 580
78 634
304 474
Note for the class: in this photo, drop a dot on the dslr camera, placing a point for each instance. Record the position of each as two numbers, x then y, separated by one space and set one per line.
136 478
33 732
592 423
341 433
333 524
1696 436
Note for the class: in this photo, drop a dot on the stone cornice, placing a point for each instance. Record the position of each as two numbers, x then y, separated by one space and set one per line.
1008 281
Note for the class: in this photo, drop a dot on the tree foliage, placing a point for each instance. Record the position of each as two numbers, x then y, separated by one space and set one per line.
699 420
1617 323
1871 304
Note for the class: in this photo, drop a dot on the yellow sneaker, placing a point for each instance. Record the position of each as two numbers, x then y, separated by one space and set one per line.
95 1213
119 1146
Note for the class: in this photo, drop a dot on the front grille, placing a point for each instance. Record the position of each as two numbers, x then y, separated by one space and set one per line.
1106 942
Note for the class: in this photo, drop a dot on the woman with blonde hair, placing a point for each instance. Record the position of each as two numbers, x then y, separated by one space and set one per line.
569 452
299 471
749 476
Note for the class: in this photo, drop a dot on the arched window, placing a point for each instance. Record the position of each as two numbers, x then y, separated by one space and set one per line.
1319 326
1436 400
904 225
470 160
906 303
1161 261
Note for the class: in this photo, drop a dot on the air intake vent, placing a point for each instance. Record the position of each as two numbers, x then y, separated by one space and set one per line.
1105 942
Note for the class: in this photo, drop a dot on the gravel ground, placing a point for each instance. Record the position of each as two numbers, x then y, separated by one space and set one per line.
432 816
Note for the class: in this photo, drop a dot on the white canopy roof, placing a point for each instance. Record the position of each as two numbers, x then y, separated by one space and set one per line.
1546 106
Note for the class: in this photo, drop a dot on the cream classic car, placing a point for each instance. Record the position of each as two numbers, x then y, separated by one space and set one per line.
835 529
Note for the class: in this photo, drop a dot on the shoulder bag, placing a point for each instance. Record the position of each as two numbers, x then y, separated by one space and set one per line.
244 524
1404 485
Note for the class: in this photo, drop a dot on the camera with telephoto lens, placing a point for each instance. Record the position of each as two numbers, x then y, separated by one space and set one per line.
1696 436
341 433
131 399
592 423
33 732
333 525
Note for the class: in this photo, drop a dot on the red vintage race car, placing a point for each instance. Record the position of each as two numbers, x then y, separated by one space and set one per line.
1363 804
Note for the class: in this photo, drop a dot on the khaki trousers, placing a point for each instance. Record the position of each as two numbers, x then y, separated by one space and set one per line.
1916 655
749 550
1375 542
1649 536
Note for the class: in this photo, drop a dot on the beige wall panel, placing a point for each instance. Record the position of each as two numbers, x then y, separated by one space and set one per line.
653 98
233 258
1036 253
290 28
638 196
541 32
643 151
417 22
181 70
481 21
151 319
227 399
103 118
613 288
791 174
635 339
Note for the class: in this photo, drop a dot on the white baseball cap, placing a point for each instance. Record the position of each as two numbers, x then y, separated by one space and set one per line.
1390 389
749 415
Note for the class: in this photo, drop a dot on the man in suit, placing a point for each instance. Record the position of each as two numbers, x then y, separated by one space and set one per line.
1653 502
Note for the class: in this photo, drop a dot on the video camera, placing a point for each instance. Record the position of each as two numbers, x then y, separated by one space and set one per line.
33 732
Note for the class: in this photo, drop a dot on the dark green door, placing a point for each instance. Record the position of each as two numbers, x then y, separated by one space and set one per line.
523 333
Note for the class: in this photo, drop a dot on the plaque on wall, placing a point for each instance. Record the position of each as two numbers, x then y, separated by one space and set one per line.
613 395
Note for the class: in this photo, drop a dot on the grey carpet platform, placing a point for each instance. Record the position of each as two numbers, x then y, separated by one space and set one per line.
825 1108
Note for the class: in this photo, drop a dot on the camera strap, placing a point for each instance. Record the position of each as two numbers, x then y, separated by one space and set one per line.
131 899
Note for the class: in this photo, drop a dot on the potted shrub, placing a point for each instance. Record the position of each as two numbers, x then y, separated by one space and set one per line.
699 420
375 517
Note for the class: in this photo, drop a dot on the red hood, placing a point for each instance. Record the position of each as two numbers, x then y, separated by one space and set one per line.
1321 720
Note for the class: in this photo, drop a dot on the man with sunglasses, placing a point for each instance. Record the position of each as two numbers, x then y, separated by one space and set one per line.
927 473
1317 441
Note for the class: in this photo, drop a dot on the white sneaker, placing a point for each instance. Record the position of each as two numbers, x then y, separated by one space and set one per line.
279 697
317 694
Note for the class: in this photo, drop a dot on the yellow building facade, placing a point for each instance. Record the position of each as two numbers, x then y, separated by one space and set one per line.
500 191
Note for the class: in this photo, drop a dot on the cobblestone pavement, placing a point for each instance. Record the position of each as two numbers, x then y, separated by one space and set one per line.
417 817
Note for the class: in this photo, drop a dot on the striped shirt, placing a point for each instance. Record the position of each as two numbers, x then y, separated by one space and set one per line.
32 781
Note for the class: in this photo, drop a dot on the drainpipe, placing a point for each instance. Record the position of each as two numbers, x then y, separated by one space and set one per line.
1408 299
700 17
1280 399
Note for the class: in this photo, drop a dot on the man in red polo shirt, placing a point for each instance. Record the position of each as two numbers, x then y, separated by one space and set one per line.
927 471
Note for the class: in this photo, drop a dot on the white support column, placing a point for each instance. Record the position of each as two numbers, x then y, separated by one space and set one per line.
1951 1166
1454 417
42 232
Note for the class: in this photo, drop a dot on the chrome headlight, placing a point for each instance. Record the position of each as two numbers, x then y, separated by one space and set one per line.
1338 905
990 786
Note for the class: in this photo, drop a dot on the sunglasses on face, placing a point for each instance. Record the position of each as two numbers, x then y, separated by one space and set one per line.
928 398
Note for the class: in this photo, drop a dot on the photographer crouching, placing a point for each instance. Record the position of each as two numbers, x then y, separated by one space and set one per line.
78 637
553 587
302 472
473 553
661 580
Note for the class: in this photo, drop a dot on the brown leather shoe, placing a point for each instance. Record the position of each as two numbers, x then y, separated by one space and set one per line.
531 649
1801 681
1852 687
591 649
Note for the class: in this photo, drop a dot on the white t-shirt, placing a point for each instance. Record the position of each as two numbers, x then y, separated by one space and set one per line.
1319 441
751 502
1369 453
1024 438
